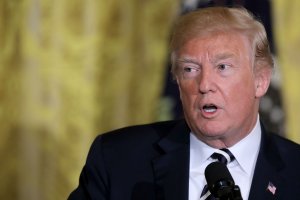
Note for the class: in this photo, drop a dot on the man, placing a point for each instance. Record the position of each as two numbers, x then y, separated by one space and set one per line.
222 64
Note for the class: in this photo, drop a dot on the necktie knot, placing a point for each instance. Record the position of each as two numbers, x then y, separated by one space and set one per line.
224 156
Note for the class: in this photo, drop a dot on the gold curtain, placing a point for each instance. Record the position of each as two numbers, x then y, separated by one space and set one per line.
71 69
286 18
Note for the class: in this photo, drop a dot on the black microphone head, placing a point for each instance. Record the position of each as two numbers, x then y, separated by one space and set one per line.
219 180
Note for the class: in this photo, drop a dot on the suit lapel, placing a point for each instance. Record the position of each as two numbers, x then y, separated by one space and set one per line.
171 168
267 171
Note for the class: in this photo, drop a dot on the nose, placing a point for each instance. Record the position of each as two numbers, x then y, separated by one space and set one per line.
206 82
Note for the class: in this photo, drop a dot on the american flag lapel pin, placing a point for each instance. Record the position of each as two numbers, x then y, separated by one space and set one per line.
271 188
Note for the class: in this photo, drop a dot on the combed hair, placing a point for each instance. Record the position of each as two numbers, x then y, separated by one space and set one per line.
206 21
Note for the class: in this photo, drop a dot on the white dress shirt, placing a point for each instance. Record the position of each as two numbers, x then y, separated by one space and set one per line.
241 169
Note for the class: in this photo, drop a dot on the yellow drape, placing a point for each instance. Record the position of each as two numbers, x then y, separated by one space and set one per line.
286 17
71 69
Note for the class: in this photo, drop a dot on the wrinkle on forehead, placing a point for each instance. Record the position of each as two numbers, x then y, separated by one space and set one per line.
214 48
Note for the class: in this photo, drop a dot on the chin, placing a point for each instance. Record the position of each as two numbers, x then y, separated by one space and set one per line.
214 135
211 129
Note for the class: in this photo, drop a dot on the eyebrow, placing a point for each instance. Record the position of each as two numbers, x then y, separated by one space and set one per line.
223 56
187 60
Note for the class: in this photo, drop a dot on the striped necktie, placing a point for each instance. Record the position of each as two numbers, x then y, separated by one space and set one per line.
225 157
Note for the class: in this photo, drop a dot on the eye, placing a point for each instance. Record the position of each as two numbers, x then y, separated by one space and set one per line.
190 71
223 67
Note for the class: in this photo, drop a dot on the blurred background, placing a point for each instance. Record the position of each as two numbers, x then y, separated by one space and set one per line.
73 69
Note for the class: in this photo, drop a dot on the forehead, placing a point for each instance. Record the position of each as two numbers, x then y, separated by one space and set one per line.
217 45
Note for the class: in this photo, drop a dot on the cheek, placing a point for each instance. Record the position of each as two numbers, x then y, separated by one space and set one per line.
240 91
243 85
188 93
239 88
188 85
188 88
241 96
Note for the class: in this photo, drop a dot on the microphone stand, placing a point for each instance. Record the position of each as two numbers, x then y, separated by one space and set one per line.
234 194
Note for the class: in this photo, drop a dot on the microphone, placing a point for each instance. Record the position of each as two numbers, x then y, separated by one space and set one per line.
220 182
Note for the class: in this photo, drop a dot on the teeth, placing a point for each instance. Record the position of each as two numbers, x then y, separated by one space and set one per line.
210 108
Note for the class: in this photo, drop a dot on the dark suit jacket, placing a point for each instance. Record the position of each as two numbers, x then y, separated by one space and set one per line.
150 162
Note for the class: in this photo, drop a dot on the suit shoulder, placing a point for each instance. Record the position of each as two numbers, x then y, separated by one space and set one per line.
140 133
133 142
288 148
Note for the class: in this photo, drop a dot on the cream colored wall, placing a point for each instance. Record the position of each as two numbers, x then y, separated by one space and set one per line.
286 19
70 69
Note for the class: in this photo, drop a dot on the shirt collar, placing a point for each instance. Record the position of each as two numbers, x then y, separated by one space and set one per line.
197 147
240 150
246 150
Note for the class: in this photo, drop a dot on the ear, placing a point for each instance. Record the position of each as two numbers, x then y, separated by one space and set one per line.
262 81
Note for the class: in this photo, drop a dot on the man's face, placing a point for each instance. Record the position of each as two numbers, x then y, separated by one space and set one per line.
218 88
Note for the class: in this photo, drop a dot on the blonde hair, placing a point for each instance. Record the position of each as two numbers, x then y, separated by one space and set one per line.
207 21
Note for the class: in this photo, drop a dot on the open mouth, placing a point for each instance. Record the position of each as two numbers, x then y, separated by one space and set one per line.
210 108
